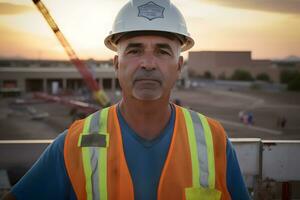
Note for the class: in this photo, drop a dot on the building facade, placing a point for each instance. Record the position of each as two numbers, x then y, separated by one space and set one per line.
22 77
222 64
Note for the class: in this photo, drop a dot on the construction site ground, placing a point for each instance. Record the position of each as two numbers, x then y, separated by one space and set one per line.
17 121
267 108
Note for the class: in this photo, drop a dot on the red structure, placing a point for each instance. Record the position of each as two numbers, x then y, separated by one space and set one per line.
98 93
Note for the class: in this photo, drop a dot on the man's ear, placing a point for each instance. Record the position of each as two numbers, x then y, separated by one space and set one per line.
116 62
180 63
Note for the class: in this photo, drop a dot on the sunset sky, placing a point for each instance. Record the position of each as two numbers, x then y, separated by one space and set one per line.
268 28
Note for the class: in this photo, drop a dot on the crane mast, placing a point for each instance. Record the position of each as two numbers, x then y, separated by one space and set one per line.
98 93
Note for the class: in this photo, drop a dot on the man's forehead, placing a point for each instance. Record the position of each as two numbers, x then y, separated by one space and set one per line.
145 40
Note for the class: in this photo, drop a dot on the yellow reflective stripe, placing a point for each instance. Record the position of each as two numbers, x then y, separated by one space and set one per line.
202 193
79 140
103 155
193 147
103 121
103 173
210 151
86 161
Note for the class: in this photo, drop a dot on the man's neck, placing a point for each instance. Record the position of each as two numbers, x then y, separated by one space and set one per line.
146 118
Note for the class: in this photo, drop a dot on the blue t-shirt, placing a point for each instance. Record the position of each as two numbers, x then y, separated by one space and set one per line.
48 179
145 159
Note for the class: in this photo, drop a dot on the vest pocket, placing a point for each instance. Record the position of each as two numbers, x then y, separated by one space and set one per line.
200 193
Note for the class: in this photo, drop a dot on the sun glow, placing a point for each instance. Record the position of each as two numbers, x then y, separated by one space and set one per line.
85 24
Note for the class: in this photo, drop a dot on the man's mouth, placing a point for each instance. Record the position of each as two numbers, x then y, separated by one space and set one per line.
148 81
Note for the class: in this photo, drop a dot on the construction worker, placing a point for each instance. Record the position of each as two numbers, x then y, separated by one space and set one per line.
144 147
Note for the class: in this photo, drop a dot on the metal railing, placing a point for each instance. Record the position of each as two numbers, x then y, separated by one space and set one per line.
260 160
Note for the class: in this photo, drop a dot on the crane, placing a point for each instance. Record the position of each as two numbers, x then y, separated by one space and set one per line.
98 93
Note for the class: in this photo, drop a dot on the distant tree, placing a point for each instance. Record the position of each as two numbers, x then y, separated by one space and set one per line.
288 75
294 84
263 77
241 75
208 75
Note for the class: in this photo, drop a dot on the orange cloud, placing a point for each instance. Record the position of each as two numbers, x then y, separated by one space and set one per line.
278 6
26 45
13 9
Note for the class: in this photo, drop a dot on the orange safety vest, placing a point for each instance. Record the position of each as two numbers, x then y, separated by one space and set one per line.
195 167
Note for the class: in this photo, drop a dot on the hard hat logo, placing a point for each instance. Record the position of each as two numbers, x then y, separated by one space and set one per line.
151 11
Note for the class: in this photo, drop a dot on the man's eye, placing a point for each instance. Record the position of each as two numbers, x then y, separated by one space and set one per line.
133 51
163 52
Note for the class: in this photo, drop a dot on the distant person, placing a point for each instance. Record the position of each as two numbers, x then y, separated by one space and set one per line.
283 122
250 118
144 147
241 115
245 118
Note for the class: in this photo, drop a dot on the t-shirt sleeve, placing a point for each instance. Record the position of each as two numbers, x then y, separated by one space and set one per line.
47 178
235 182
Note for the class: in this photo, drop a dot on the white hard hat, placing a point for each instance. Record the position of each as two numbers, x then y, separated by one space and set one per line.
149 15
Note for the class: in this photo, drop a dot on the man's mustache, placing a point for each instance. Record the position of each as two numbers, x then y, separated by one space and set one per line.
153 75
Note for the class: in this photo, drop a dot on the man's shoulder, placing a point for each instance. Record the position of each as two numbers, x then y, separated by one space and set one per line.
76 128
211 121
73 132
215 125
76 125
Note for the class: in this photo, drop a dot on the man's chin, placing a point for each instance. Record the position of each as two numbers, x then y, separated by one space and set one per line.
147 95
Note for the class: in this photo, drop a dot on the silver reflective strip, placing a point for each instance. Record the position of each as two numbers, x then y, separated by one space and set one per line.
94 166
94 152
201 148
94 126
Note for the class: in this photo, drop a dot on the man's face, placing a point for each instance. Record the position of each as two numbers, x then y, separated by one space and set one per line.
148 66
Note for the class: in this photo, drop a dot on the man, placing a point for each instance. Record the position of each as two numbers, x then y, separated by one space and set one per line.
144 147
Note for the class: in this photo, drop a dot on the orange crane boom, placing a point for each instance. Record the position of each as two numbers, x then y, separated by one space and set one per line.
98 92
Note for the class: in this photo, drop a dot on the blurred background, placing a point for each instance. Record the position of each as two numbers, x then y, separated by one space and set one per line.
244 71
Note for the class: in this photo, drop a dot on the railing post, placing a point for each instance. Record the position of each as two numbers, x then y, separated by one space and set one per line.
285 193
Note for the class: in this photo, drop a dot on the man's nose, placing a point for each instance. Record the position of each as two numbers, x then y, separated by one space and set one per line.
148 62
